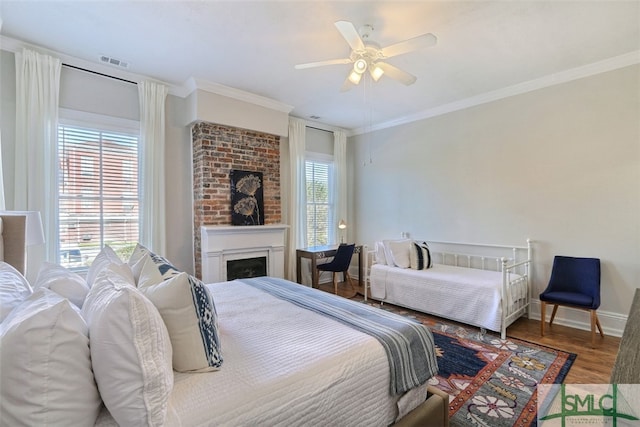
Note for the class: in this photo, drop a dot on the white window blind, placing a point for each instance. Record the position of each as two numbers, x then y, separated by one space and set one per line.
319 208
97 197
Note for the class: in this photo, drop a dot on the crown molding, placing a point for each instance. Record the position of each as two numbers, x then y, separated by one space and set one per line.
192 84
614 63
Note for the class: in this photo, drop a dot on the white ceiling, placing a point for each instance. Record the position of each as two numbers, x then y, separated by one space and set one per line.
484 47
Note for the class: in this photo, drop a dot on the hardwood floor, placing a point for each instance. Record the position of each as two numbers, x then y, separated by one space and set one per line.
592 365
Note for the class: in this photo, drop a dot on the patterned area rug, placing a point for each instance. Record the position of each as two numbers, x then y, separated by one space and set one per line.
490 382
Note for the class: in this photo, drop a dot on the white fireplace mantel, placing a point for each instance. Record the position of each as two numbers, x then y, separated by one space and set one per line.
223 243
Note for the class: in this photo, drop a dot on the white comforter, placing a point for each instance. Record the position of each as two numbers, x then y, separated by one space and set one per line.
284 365
468 295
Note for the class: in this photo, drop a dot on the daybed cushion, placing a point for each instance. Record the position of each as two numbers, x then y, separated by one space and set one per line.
45 365
187 309
63 282
130 349
14 288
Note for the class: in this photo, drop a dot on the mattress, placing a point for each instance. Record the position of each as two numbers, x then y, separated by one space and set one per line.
285 365
467 295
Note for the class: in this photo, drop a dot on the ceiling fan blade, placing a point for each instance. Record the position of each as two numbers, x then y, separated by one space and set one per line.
350 34
322 63
347 85
419 42
397 74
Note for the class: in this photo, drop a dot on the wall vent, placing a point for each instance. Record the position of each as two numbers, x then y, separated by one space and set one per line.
113 61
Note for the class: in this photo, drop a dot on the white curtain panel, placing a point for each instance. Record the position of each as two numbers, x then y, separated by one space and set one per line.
2 203
340 182
298 196
152 164
37 93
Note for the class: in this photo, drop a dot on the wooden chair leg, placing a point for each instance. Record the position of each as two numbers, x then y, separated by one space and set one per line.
553 314
348 276
598 324
593 328
335 283
543 316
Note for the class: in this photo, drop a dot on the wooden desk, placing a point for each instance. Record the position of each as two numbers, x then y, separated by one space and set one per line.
314 253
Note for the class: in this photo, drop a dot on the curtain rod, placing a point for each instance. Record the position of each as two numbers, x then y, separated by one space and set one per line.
324 130
100 74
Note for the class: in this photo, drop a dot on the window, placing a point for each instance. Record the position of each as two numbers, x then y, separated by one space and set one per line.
319 207
86 166
97 205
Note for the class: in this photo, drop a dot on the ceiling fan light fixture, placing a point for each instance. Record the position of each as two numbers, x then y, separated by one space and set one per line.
376 72
360 66
354 77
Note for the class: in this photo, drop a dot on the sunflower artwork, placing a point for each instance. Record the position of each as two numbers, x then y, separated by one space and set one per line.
247 202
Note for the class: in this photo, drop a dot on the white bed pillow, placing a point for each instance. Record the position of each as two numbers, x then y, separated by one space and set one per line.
105 257
14 288
45 365
63 282
420 256
187 308
138 252
130 349
398 252
380 257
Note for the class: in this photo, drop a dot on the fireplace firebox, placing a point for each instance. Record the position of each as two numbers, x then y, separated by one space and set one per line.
246 268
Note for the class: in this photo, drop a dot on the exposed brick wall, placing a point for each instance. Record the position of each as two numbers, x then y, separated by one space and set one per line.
217 150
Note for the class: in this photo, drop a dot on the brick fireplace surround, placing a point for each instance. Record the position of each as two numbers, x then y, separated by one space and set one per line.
217 150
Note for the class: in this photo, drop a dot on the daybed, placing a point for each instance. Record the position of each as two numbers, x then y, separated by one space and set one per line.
161 348
487 286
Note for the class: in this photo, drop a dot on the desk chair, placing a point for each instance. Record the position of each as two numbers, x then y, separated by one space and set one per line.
339 264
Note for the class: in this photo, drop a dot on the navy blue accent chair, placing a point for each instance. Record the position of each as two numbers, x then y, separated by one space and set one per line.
339 264
574 282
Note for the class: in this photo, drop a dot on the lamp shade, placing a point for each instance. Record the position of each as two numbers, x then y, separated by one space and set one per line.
342 225
34 233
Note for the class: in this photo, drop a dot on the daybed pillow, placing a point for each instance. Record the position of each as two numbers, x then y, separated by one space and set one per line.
130 349
14 288
420 256
105 257
380 257
187 309
45 365
399 251
63 282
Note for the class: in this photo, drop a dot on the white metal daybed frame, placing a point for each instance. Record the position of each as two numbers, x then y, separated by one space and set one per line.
512 306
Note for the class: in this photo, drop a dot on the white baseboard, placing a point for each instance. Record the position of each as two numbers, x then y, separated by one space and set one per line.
612 323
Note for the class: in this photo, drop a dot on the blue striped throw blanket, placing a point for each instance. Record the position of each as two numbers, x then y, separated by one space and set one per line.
408 344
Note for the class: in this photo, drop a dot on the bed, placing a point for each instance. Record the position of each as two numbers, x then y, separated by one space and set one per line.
487 286
284 362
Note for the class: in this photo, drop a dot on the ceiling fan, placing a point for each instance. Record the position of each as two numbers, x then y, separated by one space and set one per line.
368 55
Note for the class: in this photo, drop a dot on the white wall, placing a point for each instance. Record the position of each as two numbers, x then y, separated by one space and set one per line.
559 165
